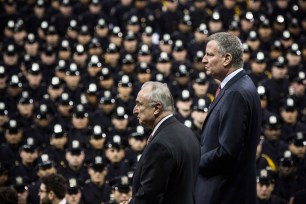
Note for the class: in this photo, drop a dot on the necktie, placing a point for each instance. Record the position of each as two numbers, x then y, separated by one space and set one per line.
149 139
218 91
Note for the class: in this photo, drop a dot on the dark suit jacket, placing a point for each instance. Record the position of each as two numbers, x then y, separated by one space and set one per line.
228 145
167 170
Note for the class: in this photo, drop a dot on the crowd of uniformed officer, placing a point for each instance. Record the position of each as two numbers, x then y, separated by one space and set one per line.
70 71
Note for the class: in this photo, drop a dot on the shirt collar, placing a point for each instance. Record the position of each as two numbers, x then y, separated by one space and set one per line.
160 122
229 77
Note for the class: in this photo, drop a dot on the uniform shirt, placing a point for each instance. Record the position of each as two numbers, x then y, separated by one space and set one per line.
95 194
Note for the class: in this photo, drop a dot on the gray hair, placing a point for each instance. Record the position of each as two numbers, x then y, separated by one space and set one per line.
229 43
160 93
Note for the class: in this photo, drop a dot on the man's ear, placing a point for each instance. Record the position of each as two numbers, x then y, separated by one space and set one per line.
51 195
157 108
227 59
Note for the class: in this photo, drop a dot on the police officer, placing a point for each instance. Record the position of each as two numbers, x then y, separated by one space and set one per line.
45 166
184 30
203 87
144 54
294 58
58 144
64 51
130 44
278 86
183 105
64 110
116 163
25 109
298 93
198 43
125 97
80 125
144 74
215 23
35 85
101 32
287 181
28 153
92 95
14 137
121 189
289 115
164 67
297 146
80 56
13 93
116 36
75 167
10 59
22 189
272 145
121 123
112 57
84 36
96 190
92 73
72 83
95 47
198 114
53 93
137 141
96 144
265 184
258 71
74 192
31 46
41 129
128 65
48 62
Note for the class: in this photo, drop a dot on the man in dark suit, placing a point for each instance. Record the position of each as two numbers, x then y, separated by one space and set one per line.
167 170
231 129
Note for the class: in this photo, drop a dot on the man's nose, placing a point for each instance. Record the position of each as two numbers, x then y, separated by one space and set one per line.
204 60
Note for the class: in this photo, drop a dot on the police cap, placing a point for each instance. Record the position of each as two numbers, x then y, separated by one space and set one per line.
287 160
121 184
299 139
97 132
20 185
114 141
288 104
107 98
80 111
44 162
272 122
265 177
201 105
98 164
58 131
75 147
73 186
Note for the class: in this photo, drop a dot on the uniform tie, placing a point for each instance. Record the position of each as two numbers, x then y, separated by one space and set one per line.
218 91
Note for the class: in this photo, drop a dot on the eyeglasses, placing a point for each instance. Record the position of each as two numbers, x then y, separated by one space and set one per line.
42 191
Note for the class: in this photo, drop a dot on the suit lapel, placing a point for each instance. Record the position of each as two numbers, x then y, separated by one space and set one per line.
222 92
167 122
